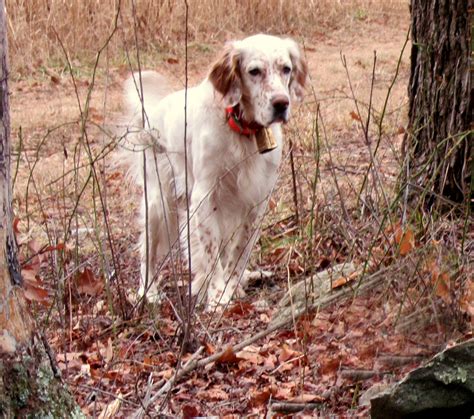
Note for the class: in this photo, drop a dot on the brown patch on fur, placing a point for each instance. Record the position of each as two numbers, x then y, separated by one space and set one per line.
225 73
225 76
299 75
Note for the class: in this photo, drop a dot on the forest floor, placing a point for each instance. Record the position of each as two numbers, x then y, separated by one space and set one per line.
77 232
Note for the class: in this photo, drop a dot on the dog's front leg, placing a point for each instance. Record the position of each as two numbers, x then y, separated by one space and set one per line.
206 245
239 249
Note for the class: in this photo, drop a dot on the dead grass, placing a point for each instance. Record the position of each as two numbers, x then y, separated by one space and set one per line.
36 25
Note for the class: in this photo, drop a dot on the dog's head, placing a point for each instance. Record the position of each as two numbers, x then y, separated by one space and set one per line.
261 74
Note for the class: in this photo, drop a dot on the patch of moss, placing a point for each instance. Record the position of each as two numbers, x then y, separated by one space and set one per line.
29 388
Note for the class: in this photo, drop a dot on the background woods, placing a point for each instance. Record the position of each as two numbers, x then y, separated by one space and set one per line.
358 194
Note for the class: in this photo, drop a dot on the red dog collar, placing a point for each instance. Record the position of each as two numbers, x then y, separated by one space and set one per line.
238 124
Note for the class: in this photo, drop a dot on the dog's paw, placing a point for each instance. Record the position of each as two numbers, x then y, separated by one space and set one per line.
250 277
259 274
218 299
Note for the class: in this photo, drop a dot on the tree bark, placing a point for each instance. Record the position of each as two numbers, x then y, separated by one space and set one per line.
440 106
30 384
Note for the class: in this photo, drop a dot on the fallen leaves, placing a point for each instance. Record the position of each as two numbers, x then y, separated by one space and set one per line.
401 236
286 354
405 239
260 397
355 116
251 354
466 302
228 357
111 409
35 292
88 283
440 280
34 287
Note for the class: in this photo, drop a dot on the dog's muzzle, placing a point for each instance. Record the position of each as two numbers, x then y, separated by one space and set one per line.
280 104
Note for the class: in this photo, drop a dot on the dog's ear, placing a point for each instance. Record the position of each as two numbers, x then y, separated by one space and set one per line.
300 70
225 76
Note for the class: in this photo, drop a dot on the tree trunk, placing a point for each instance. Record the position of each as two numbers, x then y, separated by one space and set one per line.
30 384
440 108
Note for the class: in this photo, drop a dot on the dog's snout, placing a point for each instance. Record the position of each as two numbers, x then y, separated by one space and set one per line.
280 104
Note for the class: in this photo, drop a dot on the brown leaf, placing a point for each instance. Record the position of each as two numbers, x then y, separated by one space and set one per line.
96 116
166 374
285 391
34 246
228 357
58 247
405 239
33 289
239 309
466 302
355 116
55 79
272 204
16 230
251 356
209 347
189 411
441 287
29 275
277 255
111 409
109 351
329 366
87 283
270 361
286 353
260 398
440 280
172 60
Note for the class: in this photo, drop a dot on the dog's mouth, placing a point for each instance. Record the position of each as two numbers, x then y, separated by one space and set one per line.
276 119
282 119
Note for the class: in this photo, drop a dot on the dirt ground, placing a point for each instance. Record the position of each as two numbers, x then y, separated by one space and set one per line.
85 213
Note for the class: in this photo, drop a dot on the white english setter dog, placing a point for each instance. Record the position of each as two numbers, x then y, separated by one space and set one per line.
232 118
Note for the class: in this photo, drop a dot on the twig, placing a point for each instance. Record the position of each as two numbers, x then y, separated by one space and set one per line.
293 178
359 375
294 407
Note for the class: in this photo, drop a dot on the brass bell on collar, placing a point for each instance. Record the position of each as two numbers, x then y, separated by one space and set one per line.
265 140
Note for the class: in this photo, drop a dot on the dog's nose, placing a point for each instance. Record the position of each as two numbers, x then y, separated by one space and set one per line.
280 104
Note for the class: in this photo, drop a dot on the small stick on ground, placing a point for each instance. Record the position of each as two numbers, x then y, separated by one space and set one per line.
293 407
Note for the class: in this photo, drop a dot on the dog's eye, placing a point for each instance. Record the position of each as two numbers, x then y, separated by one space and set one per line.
286 70
255 72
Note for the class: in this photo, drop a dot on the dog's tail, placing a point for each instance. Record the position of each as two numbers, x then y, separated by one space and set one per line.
142 92
138 138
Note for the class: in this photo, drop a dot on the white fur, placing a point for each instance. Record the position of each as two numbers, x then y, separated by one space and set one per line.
229 182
